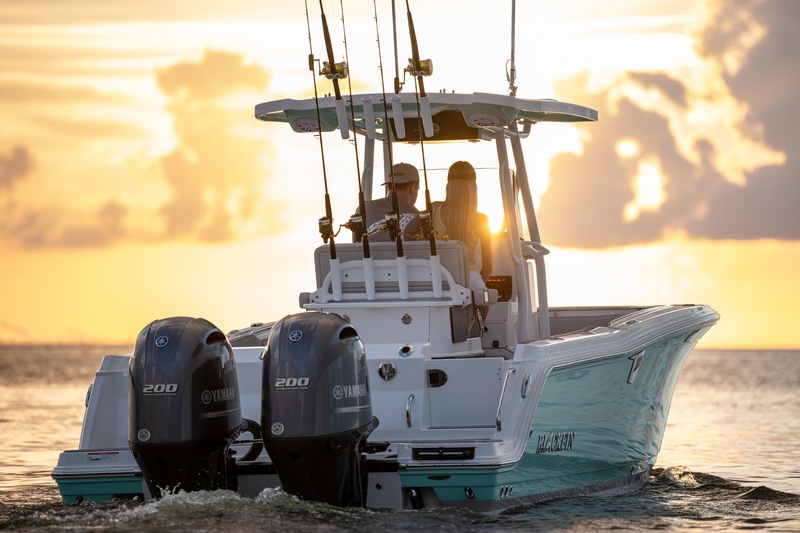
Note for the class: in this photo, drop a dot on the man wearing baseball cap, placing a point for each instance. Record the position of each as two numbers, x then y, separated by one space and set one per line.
405 179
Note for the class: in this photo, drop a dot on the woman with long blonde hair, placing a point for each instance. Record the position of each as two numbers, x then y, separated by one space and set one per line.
458 218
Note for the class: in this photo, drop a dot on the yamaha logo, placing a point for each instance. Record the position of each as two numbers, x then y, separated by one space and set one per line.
162 341
218 395
358 390
295 335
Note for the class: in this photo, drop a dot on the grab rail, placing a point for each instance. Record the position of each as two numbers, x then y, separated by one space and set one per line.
498 423
401 269
409 402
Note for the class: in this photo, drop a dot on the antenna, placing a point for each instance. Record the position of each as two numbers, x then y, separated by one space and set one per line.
511 68
398 85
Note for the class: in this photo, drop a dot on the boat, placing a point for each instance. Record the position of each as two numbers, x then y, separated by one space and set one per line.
389 388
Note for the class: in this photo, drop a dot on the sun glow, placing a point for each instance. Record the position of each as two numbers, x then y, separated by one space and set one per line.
649 185
627 148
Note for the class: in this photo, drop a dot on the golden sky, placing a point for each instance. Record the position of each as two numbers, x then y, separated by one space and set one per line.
135 183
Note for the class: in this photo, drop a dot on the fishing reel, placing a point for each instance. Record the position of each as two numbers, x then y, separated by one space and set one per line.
335 71
425 225
326 229
393 225
356 225
425 67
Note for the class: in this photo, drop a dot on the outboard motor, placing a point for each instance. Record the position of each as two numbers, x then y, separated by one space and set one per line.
183 406
316 412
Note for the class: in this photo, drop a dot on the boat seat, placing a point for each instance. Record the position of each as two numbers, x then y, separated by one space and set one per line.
452 257
452 254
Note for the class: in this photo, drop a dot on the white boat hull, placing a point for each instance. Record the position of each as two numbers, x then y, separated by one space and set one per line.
575 414
531 403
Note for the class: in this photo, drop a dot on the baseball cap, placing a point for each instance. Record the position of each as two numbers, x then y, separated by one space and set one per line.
403 173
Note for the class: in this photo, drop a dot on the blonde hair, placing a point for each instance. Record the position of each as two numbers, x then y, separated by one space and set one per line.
459 211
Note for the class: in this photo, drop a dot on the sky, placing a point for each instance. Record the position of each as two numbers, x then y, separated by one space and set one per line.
135 183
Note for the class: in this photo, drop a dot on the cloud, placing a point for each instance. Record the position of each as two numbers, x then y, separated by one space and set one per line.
209 188
215 176
60 227
671 156
768 80
113 11
29 92
669 87
84 130
216 74
585 204
14 167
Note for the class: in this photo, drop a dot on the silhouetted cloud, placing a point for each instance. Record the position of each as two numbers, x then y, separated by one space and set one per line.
218 73
710 186
768 81
215 176
59 227
670 87
14 166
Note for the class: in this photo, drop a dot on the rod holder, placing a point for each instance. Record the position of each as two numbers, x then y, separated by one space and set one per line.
341 115
369 116
397 116
425 114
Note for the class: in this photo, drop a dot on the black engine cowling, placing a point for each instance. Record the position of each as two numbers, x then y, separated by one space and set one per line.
316 412
184 406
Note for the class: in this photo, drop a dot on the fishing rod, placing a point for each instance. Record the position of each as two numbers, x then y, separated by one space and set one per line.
357 224
326 222
419 69
416 68
392 219
334 71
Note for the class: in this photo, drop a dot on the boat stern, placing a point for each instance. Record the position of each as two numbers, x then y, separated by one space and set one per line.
97 476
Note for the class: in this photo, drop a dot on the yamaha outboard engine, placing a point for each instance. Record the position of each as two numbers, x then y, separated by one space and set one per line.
316 412
183 406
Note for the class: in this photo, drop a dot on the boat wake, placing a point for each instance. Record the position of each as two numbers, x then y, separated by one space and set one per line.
673 497
681 478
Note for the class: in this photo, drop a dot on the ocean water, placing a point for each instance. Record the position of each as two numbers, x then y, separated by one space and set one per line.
730 461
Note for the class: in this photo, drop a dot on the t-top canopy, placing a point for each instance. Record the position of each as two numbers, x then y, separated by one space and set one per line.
455 116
